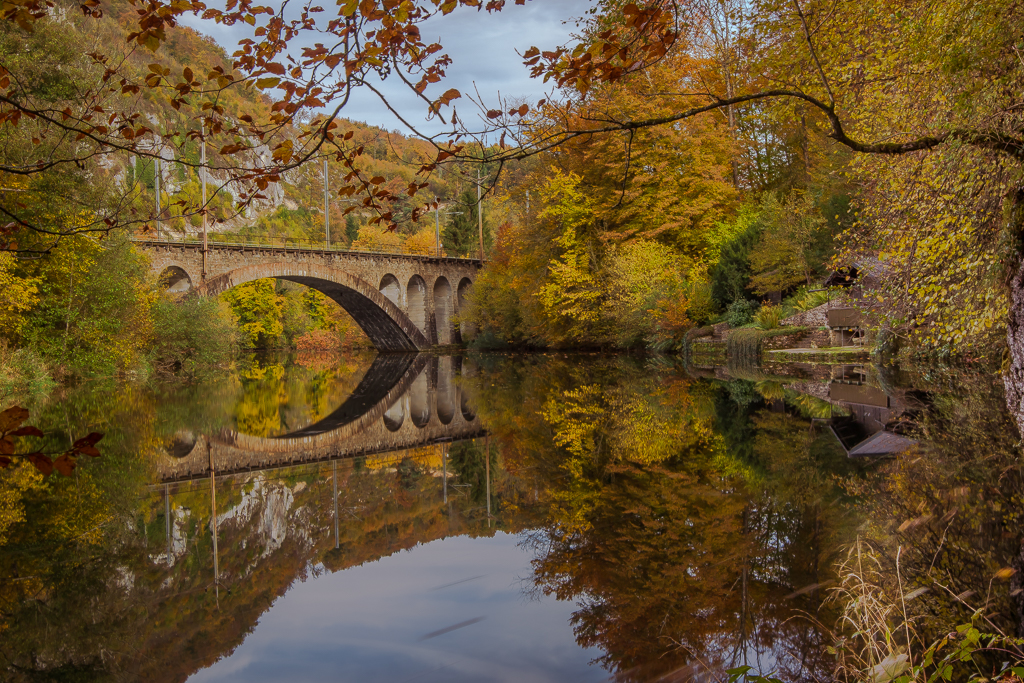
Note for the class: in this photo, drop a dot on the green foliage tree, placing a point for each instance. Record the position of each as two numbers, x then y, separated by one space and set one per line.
93 315
730 276
784 254
460 234
192 335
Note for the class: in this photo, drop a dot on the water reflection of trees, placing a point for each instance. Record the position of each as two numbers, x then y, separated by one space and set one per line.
693 522
682 515
953 507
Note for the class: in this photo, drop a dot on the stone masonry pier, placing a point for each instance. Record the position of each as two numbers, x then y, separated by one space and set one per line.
402 302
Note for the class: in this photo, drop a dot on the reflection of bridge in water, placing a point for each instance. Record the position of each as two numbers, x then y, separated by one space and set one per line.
403 401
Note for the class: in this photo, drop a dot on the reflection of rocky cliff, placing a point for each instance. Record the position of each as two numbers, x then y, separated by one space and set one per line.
274 528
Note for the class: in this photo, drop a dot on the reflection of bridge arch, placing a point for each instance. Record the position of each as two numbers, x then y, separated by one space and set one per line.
378 417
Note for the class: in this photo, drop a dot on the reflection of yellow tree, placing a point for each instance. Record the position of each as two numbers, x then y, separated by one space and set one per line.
650 525
275 399
16 481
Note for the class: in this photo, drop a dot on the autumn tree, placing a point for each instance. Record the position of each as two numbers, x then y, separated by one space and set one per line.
783 256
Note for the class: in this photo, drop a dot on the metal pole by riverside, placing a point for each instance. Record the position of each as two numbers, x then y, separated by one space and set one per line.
202 179
480 214
437 226
327 217
444 460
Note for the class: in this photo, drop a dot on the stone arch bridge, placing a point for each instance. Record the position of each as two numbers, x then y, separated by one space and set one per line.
403 401
402 302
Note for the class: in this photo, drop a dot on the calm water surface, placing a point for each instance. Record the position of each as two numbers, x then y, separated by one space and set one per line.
495 518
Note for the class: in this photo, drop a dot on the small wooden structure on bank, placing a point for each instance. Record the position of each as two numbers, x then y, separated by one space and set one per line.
849 320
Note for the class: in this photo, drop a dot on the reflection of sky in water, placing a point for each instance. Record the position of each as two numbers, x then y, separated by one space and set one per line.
378 622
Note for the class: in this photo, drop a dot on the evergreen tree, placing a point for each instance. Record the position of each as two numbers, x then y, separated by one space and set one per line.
351 228
731 275
459 235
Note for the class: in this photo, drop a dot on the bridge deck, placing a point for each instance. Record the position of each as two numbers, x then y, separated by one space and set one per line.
290 246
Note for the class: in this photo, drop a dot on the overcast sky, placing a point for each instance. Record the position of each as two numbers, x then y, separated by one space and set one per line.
483 48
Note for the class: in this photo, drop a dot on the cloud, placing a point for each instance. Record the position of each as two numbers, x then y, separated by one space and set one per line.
395 619
483 49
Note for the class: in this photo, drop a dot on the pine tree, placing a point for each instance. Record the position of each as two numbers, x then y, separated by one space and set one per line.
459 236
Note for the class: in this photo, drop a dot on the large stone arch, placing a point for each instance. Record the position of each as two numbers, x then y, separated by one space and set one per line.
387 326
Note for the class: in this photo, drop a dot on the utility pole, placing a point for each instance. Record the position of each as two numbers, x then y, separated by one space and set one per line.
202 179
487 469
156 182
213 523
334 476
167 521
480 215
437 226
327 206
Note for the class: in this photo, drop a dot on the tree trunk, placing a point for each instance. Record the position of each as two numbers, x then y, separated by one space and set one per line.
1013 379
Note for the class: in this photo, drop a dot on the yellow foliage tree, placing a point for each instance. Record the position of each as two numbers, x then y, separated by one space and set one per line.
17 295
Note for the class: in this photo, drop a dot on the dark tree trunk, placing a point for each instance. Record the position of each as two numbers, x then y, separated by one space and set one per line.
1014 377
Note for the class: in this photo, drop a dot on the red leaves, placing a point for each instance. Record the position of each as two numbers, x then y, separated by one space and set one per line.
445 99
87 445
11 427
65 464
493 114
41 462
12 418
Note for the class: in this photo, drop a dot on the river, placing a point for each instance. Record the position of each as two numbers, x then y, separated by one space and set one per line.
543 517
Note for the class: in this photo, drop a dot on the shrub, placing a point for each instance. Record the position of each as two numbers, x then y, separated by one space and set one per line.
23 373
740 313
769 316
192 335
810 300
318 341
